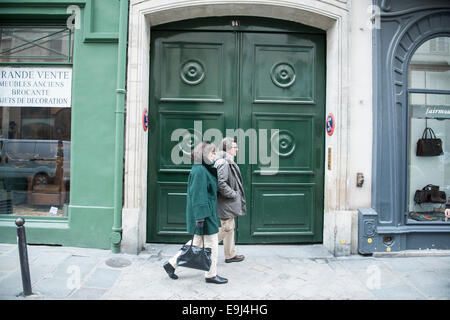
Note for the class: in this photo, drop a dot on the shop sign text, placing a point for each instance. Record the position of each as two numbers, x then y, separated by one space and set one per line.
35 87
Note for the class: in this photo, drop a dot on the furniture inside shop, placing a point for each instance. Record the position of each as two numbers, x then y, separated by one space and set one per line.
44 190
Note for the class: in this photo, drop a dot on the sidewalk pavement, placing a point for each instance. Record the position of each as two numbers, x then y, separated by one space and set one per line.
268 272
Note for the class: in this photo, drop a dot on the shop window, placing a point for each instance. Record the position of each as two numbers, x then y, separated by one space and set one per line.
35 44
429 118
35 120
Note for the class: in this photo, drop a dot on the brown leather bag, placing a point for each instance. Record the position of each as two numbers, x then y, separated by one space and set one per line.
429 193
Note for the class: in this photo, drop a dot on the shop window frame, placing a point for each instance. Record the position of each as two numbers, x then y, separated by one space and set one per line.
408 92
41 24
401 33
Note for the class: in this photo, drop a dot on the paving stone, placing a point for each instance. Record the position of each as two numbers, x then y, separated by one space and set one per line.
49 259
397 293
11 285
376 275
54 288
35 252
81 264
8 298
3 274
435 263
102 278
431 284
88 294
436 291
9 263
45 265
358 265
14 252
422 277
445 274
37 273
6 248
398 264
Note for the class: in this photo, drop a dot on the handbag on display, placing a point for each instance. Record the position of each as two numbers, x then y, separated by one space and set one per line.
429 146
437 196
195 257
429 193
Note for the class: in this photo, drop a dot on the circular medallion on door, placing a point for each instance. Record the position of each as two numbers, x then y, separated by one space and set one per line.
282 75
192 72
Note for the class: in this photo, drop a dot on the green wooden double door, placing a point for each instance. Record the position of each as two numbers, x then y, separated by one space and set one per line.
269 90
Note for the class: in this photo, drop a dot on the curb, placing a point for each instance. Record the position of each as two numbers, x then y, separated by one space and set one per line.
412 253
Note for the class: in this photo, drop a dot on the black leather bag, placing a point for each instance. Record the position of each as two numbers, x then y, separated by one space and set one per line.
429 193
429 146
195 257
437 196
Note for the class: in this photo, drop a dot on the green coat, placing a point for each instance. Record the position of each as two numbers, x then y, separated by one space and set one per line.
202 199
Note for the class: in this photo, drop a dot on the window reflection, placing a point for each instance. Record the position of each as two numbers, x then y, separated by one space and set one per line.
34 161
35 44
430 65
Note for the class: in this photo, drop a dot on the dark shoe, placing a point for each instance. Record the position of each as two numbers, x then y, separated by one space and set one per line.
216 279
170 270
236 258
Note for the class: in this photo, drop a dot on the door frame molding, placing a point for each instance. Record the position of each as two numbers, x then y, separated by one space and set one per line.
329 15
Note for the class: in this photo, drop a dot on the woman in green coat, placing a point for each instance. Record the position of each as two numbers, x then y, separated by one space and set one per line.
201 210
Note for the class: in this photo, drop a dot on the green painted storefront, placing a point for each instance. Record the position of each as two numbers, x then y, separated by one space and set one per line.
97 98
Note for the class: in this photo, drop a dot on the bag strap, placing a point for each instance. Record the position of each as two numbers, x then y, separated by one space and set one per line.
203 238
425 133
432 134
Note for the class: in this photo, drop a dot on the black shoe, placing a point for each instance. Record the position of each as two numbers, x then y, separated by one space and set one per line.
236 258
170 270
216 279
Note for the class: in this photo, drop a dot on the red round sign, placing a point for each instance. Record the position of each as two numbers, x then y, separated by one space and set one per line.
145 119
330 124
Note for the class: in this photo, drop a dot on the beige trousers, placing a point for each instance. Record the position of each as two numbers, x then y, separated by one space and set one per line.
211 241
226 233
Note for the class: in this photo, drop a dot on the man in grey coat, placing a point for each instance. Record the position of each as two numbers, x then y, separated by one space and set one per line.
230 197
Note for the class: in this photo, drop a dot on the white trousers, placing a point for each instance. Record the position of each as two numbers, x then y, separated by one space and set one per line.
211 241
226 233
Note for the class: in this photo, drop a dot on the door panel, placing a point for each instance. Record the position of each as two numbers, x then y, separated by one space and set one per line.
268 83
280 76
283 74
193 76
283 210
197 69
296 141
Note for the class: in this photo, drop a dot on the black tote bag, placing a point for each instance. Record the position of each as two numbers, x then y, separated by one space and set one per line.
429 146
195 257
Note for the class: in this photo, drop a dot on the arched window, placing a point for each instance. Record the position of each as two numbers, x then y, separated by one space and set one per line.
429 113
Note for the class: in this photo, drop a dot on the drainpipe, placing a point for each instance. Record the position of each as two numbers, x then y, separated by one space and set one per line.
116 235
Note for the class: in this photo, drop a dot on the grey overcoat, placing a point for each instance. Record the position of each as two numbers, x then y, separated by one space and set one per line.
230 196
